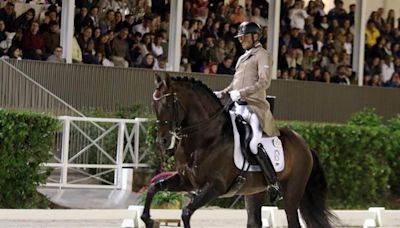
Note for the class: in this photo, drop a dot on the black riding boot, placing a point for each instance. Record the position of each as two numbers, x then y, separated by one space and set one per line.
269 174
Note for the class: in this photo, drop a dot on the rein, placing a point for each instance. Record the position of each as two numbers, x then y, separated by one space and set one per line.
178 132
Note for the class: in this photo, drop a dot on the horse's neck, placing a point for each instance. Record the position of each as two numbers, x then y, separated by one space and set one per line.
213 137
210 123
200 109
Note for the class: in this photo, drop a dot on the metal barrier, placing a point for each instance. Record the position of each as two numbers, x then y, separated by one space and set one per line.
272 217
68 217
112 88
92 152
19 91
373 217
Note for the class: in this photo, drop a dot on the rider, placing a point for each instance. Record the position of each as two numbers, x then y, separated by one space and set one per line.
250 83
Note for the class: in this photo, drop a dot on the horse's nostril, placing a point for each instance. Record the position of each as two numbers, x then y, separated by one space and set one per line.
164 141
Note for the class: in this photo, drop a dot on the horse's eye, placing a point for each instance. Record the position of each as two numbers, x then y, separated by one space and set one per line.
160 123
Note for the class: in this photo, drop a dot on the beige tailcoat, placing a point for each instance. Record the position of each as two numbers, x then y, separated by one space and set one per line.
252 79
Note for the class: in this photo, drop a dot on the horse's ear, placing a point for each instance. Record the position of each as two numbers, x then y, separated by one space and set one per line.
157 81
167 80
157 78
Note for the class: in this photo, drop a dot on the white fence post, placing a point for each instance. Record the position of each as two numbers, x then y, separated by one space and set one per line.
120 153
136 222
270 220
136 145
378 211
65 150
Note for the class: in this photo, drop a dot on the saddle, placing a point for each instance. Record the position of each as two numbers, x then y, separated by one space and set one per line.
244 158
246 147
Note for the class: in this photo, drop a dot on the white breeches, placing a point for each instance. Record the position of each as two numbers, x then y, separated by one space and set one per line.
252 119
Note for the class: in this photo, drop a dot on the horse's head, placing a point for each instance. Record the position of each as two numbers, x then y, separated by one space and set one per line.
181 105
166 107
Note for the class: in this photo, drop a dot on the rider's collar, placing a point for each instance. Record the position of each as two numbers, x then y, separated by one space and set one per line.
258 44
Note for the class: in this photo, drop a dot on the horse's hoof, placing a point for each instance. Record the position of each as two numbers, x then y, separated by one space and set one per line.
150 223
156 224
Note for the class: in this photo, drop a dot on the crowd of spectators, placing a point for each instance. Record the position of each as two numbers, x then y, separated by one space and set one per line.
313 46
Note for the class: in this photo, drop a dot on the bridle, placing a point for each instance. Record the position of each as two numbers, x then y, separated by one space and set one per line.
175 124
177 131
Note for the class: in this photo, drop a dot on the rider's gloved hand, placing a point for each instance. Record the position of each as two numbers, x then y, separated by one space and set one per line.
235 95
218 94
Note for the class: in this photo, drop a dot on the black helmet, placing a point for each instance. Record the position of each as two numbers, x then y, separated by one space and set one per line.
248 27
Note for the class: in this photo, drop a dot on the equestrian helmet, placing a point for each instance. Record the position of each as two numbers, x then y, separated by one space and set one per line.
248 27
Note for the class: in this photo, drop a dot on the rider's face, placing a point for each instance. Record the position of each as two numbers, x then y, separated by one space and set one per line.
246 41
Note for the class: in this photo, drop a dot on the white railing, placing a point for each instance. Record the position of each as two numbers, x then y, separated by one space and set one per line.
65 217
373 217
66 214
93 152
272 217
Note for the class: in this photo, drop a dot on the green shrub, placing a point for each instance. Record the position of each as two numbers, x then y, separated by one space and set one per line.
166 200
137 110
354 159
394 161
360 159
367 117
152 155
25 143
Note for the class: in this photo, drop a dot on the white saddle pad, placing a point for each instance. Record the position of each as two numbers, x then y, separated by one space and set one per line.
272 145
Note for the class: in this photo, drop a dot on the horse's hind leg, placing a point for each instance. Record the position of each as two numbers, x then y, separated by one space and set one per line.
253 207
209 192
292 215
293 193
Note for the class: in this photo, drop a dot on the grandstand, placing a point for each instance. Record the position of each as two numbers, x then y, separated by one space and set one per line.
318 40
64 58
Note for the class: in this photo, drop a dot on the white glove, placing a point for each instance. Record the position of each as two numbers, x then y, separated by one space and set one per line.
218 94
235 95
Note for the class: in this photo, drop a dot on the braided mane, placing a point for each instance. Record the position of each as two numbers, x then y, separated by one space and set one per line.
192 83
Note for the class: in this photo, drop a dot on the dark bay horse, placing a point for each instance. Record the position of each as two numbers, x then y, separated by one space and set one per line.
193 122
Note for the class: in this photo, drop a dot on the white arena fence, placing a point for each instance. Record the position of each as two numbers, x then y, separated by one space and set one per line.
96 152
271 216
373 217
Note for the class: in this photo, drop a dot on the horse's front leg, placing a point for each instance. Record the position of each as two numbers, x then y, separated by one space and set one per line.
172 183
209 192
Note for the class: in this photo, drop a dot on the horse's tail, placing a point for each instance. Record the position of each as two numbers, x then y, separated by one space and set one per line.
313 204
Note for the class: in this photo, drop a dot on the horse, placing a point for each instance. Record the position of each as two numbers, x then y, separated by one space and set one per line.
193 123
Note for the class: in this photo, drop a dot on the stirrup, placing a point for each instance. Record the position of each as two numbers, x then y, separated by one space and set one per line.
274 186
274 193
